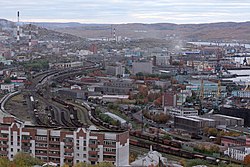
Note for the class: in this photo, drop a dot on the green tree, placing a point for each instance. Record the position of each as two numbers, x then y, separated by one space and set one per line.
25 160
7 80
4 162
101 164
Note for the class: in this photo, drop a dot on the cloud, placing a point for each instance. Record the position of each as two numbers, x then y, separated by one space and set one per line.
123 11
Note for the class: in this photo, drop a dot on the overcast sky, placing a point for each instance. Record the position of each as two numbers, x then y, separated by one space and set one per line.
127 11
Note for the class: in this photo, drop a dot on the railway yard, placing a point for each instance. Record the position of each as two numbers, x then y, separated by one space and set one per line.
37 105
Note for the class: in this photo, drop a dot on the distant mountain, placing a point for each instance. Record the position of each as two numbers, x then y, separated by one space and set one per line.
6 23
224 31
43 34
62 25
209 32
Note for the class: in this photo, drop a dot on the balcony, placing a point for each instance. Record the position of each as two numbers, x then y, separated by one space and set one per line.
93 152
3 146
93 159
54 142
69 156
25 141
110 146
41 148
3 139
109 153
4 153
54 147
109 159
68 149
40 154
54 154
93 145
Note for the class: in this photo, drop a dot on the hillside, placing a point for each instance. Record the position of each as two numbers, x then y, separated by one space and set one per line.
208 32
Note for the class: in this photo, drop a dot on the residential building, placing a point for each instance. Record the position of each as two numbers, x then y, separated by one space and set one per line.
169 99
61 146
237 153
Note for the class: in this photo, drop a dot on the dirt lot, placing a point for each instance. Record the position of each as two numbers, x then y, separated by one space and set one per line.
18 107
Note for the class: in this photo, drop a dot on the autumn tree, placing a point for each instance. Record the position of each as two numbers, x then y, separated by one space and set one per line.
247 160
158 101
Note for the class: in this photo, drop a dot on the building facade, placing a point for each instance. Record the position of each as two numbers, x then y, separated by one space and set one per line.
144 67
237 153
65 145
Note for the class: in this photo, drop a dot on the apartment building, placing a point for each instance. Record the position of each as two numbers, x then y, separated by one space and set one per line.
62 146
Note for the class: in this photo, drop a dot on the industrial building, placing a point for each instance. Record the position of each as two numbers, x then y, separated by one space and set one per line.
61 146
144 67
186 112
196 124
210 88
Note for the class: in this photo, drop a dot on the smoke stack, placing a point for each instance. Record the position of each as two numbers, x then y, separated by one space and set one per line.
114 35
111 32
29 36
18 28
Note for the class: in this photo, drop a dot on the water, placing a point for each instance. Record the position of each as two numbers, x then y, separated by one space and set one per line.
220 44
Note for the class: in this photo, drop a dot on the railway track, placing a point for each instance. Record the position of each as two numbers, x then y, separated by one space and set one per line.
83 113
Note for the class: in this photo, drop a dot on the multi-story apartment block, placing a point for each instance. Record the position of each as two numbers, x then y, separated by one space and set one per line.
62 146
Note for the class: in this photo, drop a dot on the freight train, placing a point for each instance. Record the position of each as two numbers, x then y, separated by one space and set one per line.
176 151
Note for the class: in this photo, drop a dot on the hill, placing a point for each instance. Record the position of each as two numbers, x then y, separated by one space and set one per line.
194 32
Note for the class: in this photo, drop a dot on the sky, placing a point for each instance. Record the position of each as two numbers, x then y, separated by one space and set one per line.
127 11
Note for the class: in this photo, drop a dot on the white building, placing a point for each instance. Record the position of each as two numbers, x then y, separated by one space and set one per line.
62 146
237 153
8 87
186 112
152 158
67 65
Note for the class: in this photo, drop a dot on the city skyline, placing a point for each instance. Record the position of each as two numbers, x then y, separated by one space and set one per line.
129 11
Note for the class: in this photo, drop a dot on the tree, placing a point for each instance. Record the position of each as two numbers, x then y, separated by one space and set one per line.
158 101
7 80
247 160
101 164
132 157
65 165
212 131
4 162
25 160
195 162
